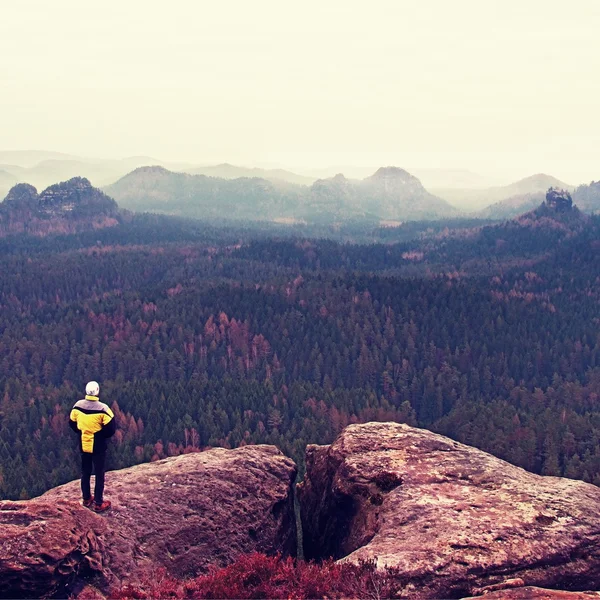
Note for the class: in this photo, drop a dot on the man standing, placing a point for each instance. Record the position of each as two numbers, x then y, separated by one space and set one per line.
95 423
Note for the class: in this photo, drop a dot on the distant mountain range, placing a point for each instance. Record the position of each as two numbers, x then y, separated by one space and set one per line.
42 168
389 194
227 171
431 178
388 197
52 169
482 198
586 197
511 200
280 194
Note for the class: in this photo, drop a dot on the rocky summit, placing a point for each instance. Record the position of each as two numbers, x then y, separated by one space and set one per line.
559 200
66 207
451 519
76 196
182 513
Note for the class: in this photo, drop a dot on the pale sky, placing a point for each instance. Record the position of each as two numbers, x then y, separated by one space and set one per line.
494 86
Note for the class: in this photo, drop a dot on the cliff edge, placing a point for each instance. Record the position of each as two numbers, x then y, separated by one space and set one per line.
182 513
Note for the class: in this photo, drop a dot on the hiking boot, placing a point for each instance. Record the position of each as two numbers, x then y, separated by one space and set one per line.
102 507
88 503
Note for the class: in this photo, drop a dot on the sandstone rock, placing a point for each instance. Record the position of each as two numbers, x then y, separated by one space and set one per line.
44 546
183 513
559 200
21 197
450 518
76 197
505 585
536 593
69 207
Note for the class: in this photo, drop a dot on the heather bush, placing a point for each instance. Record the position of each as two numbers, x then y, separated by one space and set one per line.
260 576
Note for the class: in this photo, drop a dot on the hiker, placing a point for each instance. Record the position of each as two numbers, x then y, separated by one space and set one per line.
95 423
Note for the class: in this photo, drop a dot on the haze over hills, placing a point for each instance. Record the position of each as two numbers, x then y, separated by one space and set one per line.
390 193
431 178
198 196
504 201
30 158
53 169
464 190
42 168
228 171
7 180
587 197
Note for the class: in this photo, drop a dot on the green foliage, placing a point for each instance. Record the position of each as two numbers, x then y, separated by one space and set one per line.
199 338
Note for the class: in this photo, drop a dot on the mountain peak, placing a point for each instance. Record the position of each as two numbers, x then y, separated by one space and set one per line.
76 195
21 195
150 170
543 179
64 207
386 173
75 183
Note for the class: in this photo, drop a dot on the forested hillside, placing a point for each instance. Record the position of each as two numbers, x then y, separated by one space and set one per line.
201 336
388 194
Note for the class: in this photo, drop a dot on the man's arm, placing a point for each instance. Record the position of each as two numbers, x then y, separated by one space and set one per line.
109 423
73 421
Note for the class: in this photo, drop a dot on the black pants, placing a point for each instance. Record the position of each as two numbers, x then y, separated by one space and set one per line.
97 461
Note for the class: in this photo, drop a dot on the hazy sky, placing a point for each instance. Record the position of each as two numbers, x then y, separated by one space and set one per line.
495 86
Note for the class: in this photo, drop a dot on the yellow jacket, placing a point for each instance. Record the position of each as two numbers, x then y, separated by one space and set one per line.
95 423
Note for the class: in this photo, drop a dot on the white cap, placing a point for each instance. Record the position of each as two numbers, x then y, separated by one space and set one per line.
92 388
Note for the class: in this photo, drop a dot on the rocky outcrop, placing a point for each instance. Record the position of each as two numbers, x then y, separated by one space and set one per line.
517 198
535 593
45 546
68 207
559 200
76 197
451 519
21 198
183 513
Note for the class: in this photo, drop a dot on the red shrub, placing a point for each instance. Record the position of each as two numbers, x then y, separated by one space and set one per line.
260 576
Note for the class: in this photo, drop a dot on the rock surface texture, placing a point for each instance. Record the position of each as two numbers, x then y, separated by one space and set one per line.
182 513
44 546
450 518
536 593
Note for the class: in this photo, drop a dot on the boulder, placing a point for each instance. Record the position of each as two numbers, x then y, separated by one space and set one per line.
184 513
450 518
44 546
